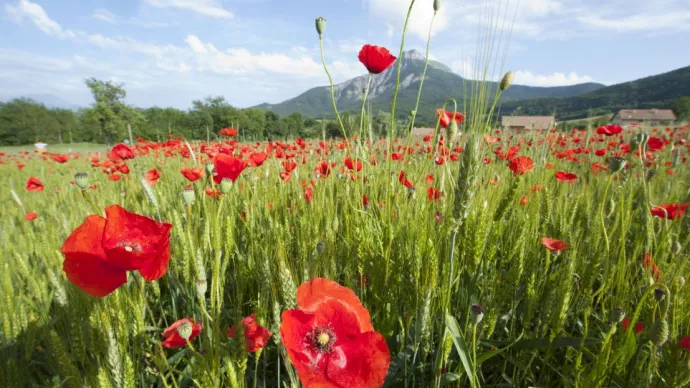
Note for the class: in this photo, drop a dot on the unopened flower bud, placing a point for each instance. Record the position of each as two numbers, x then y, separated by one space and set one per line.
677 248
225 185
616 163
185 330
82 180
452 130
437 5
681 281
616 315
658 333
477 313
320 25
507 80
188 196
320 247
659 294
209 169
641 138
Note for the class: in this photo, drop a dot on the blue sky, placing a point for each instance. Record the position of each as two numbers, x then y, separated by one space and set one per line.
170 52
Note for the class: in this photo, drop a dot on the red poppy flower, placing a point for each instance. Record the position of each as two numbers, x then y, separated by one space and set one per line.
433 194
655 144
600 152
365 201
121 152
308 194
524 200
670 211
553 245
447 117
330 339
256 159
59 158
230 132
152 176
353 164
100 251
376 59
114 177
229 167
255 336
396 156
173 340
521 165
30 216
639 327
566 177
685 343
323 169
649 264
123 168
212 193
609 130
33 184
192 174
289 165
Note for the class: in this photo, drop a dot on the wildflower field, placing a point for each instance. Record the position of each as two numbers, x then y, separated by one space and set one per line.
468 257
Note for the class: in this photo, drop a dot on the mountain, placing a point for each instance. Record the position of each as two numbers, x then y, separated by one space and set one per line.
658 91
440 84
52 101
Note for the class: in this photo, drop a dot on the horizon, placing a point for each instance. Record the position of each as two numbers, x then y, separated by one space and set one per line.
169 53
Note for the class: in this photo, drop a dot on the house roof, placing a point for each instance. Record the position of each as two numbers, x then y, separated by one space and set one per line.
536 122
647 114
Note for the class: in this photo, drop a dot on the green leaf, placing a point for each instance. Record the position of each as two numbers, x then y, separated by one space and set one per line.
492 353
454 331
560 342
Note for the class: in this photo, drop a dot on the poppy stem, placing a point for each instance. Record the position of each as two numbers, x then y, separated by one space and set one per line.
335 107
364 100
90 201
601 214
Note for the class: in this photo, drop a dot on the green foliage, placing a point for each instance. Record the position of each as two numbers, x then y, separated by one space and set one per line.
681 107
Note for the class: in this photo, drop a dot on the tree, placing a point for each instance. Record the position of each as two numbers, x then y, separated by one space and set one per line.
108 108
681 107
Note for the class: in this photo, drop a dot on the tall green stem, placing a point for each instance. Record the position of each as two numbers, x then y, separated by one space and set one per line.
335 107
364 100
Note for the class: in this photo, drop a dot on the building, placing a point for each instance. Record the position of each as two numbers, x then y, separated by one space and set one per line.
527 123
644 116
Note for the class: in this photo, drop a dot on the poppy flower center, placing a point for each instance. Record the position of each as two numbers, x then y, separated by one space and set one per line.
129 247
323 338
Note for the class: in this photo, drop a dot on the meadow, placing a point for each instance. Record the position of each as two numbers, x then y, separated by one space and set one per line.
467 257
606 307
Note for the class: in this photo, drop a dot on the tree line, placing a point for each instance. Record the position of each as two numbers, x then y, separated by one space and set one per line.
109 120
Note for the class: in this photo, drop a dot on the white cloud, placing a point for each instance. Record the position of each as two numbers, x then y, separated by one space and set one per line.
210 8
393 13
463 67
25 9
104 15
665 20
555 79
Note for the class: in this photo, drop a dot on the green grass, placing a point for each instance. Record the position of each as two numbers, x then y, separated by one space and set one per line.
58 148
550 313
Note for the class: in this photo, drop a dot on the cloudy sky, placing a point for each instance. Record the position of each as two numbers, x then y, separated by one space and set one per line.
170 52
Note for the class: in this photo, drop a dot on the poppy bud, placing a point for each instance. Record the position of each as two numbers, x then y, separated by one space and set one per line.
677 248
320 247
658 333
681 281
437 5
188 196
210 168
616 163
452 130
225 185
82 180
507 80
320 25
185 330
201 286
659 294
616 315
477 313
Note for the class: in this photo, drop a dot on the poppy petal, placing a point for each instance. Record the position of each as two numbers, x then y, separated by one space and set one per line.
319 290
85 264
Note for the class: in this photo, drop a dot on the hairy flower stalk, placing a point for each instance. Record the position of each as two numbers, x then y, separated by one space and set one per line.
320 28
